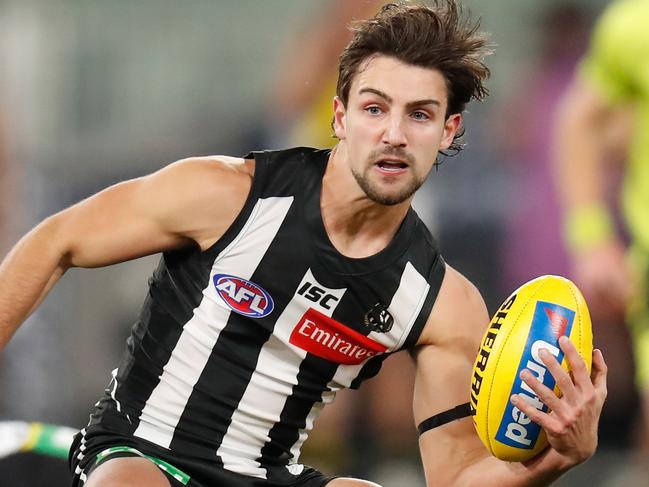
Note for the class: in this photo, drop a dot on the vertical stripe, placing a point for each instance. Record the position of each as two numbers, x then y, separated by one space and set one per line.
312 379
404 308
271 384
325 398
435 277
167 402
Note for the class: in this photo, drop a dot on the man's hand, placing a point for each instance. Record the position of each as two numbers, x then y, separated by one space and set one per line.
571 423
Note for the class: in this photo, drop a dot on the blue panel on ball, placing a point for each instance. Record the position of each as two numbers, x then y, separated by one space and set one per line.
549 323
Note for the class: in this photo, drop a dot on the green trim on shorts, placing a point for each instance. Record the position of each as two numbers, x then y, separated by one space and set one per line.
176 473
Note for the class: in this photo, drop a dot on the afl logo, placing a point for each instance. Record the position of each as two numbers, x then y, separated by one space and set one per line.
242 296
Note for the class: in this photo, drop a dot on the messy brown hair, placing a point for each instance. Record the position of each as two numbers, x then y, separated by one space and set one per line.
439 37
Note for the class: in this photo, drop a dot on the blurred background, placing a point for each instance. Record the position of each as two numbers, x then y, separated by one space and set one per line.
94 92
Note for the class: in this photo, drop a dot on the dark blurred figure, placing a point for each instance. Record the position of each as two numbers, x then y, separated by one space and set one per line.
34 454
534 245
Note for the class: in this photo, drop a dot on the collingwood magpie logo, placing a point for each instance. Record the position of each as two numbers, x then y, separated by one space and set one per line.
378 318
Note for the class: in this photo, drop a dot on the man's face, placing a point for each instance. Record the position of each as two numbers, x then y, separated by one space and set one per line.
393 126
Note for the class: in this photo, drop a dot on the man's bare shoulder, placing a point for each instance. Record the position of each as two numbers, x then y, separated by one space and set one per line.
221 162
212 168
459 316
203 194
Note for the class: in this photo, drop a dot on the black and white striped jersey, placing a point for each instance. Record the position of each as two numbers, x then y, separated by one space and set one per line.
238 347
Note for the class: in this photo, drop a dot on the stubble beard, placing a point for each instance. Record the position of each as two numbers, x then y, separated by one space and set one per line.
373 191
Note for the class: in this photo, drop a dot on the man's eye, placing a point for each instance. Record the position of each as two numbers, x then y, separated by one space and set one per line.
420 116
374 110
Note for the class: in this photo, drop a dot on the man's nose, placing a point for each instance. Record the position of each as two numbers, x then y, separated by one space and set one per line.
394 134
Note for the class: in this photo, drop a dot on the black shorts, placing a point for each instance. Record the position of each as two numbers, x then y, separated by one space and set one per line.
91 449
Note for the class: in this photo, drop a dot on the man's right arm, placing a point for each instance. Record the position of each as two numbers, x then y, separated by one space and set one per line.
453 454
190 202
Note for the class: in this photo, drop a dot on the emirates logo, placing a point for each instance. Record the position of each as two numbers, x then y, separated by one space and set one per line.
326 338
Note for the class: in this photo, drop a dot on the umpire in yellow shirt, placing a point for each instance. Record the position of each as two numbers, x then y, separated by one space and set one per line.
606 111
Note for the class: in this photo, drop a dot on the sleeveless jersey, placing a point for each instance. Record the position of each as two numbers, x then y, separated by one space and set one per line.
238 347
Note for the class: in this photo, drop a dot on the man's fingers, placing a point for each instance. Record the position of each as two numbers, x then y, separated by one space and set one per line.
580 375
561 376
544 420
600 371
544 393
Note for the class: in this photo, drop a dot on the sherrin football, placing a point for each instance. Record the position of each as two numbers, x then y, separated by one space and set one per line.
532 318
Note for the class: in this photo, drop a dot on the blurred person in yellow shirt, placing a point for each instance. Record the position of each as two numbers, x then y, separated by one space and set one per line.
603 116
300 110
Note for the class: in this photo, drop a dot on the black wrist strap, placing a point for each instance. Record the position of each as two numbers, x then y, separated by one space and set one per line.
458 412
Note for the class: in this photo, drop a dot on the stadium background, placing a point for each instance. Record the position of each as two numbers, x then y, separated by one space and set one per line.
95 92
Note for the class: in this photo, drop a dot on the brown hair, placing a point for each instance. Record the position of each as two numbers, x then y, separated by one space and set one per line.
438 37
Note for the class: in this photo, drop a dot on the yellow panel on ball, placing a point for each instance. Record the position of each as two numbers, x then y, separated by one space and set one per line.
532 318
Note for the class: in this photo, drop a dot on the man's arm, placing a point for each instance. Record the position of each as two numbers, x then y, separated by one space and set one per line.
191 202
453 454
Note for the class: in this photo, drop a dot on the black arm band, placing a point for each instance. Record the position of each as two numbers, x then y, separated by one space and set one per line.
458 412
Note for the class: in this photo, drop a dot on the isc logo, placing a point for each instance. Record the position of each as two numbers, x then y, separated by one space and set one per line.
242 296
314 294
318 295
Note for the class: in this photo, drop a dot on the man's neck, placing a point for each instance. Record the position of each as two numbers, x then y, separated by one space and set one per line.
357 226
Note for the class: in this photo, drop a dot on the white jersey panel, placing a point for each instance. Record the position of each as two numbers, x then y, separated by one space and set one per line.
168 400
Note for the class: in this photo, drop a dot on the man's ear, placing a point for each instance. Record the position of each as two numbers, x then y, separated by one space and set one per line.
451 126
339 123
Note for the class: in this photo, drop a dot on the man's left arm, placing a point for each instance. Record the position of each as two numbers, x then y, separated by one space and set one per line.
452 454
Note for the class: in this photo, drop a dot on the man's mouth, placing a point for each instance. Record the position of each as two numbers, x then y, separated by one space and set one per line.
390 166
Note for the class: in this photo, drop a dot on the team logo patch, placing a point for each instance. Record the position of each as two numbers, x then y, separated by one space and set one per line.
378 319
550 322
243 296
326 338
